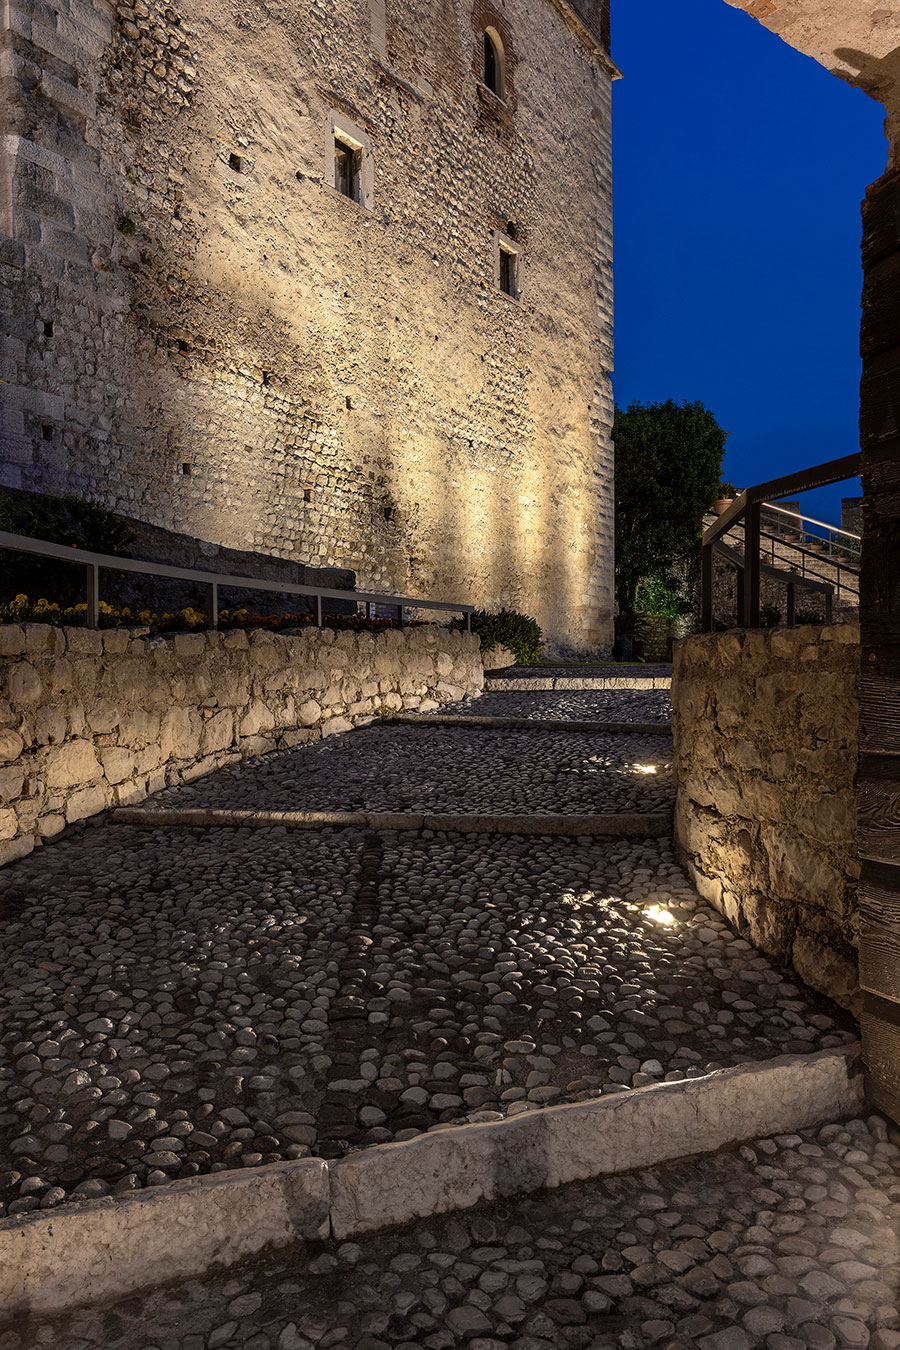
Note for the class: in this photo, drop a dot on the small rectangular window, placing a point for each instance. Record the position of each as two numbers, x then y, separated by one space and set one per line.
507 271
346 169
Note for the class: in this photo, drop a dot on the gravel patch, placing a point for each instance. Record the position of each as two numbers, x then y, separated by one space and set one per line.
576 705
447 769
181 1002
787 1243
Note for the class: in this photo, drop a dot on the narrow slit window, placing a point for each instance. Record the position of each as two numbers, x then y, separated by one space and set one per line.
507 271
346 169
493 67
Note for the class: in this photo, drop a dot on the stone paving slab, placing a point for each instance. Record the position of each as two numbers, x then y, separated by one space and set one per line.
545 682
625 825
175 1003
532 724
785 1243
447 770
623 705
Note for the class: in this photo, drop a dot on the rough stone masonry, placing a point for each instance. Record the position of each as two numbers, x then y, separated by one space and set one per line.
214 328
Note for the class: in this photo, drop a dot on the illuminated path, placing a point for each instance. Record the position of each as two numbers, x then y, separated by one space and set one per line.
180 1002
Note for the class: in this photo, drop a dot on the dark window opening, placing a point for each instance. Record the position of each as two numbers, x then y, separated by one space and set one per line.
388 512
183 347
492 66
349 403
346 169
234 162
186 470
48 328
307 494
47 433
267 378
507 271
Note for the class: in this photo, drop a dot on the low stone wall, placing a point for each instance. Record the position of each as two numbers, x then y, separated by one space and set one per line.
765 727
90 720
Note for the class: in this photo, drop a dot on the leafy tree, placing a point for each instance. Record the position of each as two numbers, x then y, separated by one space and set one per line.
668 467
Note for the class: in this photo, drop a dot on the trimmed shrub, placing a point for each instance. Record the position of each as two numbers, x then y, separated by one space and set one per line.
507 628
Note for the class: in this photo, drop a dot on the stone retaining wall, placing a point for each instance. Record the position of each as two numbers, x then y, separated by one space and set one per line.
90 720
765 727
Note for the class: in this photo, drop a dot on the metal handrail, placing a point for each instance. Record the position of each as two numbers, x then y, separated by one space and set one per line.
747 509
798 515
93 562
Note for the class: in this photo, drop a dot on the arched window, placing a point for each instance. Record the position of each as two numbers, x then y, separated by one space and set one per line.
493 62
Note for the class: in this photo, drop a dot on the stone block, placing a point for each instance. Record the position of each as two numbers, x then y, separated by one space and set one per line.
9 823
257 718
332 726
118 764
11 782
71 764
218 733
13 849
458 1168
86 802
102 716
180 734
11 745
84 641
105 1249
23 684
49 826
189 645
12 640
309 713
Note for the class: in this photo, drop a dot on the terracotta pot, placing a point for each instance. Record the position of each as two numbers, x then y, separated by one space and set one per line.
721 505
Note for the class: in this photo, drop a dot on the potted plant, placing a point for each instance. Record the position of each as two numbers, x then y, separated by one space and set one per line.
725 495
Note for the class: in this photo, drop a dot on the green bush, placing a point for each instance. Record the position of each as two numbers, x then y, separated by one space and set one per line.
59 520
662 597
520 634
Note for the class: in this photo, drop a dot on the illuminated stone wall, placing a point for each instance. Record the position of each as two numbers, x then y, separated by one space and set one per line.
207 336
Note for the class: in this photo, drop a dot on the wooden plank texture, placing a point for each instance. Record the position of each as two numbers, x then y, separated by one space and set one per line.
879 769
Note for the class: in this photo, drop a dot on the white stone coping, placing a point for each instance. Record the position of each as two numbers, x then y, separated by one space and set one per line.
105 1249
542 683
630 825
533 724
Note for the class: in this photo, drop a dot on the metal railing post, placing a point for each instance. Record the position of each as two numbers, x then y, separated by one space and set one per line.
400 615
791 599
93 596
318 611
751 565
706 589
212 604
468 621
828 607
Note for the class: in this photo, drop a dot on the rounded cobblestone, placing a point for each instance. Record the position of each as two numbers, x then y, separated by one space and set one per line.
468 770
693 1254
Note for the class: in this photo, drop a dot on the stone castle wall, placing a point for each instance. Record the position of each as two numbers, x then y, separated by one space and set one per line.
91 720
766 742
206 335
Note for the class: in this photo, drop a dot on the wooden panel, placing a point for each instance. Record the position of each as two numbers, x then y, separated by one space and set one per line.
879 770
881 219
878 804
879 708
880 1024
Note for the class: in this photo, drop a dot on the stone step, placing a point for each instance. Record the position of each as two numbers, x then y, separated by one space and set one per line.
622 825
536 724
538 683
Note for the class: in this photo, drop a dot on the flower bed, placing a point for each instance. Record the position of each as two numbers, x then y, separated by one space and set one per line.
188 620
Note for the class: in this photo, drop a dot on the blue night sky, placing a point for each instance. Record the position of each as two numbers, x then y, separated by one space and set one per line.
739 170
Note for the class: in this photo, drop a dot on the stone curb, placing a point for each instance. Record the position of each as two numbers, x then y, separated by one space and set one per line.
627 825
105 1249
534 724
457 1167
543 683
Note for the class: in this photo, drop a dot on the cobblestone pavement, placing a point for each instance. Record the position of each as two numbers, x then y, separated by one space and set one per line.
620 705
789 1243
175 1002
448 769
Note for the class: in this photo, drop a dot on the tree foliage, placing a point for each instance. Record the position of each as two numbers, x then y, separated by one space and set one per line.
668 467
